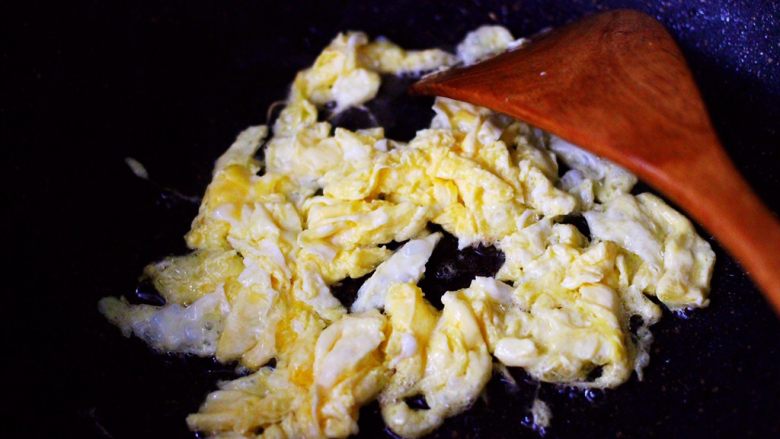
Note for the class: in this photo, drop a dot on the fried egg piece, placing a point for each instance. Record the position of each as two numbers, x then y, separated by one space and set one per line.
238 208
526 245
230 185
348 370
382 55
185 279
406 265
338 231
249 332
457 367
274 399
484 42
479 133
310 288
242 150
193 329
337 75
676 264
304 156
245 404
607 179
487 206
412 321
531 144
555 334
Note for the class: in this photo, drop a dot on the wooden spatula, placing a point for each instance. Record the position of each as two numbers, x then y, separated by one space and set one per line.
617 85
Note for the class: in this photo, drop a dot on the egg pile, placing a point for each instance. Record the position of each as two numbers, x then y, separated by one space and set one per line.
272 237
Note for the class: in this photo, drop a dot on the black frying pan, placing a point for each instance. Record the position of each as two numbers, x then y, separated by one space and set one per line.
172 84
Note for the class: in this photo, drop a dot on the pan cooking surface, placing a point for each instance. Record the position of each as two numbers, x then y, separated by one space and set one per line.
172 85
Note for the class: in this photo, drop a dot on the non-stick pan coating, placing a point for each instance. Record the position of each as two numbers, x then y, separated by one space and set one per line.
172 84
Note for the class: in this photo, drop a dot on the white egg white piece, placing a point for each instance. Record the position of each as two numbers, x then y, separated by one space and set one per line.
194 329
406 265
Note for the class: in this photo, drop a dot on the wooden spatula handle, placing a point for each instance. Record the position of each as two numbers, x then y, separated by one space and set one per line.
714 193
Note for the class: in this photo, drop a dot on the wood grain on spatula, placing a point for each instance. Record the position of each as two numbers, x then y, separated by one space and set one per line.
617 84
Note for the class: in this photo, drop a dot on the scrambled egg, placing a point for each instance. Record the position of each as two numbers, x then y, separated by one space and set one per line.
272 237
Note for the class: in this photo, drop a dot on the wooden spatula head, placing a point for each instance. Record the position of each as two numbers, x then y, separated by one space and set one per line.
617 84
